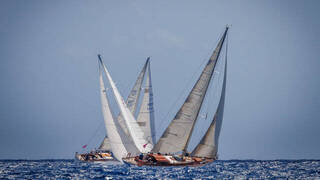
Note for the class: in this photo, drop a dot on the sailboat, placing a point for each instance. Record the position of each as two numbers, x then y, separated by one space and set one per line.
118 141
171 148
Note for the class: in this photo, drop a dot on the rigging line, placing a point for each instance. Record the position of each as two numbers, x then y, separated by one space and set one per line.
84 101
210 96
181 93
208 99
215 84
95 133
131 83
217 74
220 75
101 122
187 85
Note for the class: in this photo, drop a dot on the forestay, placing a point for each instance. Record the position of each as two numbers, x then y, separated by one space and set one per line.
176 137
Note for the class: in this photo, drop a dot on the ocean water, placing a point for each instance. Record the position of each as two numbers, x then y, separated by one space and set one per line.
231 169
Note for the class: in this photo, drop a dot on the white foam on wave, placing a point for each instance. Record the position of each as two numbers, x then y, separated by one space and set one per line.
217 170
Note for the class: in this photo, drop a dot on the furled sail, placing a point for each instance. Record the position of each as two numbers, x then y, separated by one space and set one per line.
135 131
176 137
208 146
131 102
118 148
146 114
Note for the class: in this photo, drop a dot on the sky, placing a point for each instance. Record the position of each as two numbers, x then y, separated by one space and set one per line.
50 103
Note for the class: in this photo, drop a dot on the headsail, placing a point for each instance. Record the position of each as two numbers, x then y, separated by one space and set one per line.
135 131
208 146
146 114
177 135
133 98
105 144
131 102
118 149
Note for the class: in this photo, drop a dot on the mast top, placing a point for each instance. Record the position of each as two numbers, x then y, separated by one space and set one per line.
148 59
99 56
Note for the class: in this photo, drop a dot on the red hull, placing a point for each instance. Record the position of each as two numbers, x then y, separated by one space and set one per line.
191 161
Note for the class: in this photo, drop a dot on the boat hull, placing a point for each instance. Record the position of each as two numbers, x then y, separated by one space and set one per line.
192 161
95 157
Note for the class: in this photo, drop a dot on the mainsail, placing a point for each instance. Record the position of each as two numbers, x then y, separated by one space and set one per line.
177 135
131 102
146 114
208 146
118 148
135 131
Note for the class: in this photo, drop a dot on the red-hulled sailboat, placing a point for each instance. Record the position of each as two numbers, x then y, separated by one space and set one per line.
177 136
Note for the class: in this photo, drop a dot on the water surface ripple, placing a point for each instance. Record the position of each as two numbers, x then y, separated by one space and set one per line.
230 169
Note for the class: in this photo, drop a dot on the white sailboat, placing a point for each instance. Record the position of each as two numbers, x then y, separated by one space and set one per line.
118 139
128 135
177 136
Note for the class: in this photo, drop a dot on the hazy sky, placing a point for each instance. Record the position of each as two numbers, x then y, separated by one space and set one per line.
50 103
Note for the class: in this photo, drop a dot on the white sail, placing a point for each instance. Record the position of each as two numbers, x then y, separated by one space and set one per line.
177 135
135 131
105 144
208 146
131 102
118 149
146 114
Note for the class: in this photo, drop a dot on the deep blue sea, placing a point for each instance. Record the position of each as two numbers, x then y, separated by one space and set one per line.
231 169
